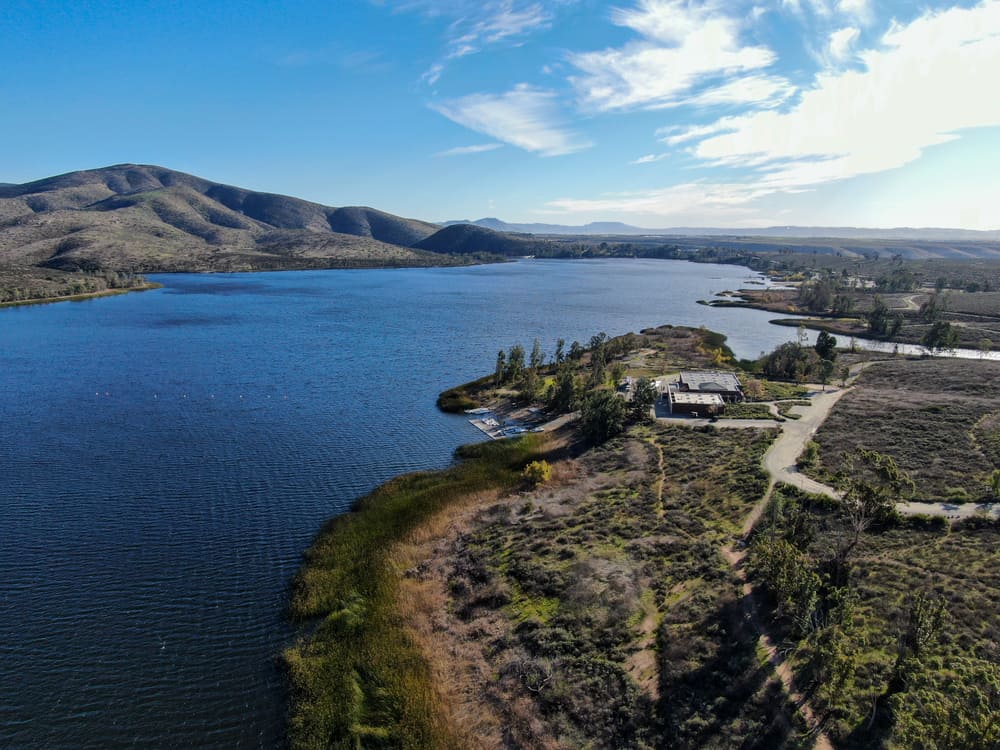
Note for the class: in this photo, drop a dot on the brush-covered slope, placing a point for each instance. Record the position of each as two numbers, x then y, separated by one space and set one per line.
467 239
147 218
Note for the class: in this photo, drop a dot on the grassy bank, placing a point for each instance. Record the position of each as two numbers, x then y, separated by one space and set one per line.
357 679
462 397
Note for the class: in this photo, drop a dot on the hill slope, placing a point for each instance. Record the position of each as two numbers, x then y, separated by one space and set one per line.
141 218
466 239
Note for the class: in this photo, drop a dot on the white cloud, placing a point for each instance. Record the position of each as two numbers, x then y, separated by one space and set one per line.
496 22
841 43
758 90
859 9
525 116
466 150
683 46
927 81
649 158
476 25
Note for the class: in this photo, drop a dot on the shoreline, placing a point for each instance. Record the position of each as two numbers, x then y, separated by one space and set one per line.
80 297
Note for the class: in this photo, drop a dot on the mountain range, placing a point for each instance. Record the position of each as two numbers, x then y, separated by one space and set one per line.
144 218
619 229
136 218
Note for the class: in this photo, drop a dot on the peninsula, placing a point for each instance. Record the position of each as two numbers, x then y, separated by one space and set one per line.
628 576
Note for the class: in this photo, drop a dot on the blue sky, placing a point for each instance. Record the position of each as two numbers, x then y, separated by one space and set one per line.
659 113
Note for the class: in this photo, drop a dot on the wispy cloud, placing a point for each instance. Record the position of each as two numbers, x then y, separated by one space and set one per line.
859 9
466 150
649 158
842 43
476 25
525 116
685 51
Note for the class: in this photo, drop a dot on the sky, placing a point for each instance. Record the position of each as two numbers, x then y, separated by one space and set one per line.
658 113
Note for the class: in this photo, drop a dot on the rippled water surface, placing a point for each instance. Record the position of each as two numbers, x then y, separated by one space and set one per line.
165 457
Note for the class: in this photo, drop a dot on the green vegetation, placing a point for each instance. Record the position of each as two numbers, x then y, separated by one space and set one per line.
892 628
459 399
614 620
785 407
756 389
747 411
20 286
357 678
537 472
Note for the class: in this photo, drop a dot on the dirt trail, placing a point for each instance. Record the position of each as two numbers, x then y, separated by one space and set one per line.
780 464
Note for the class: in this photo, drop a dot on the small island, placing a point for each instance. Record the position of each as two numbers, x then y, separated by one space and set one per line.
789 571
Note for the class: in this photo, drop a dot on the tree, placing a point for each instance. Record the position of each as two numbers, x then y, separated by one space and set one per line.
643 397
515 364
576 351
995 483
602 416
872 483
941 336
537 356
560 355
790 578
825 371
618 371
935 305
826 346
501 369
878 317
753 389
563 395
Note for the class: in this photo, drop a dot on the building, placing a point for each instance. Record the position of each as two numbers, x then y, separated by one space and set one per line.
720 382
701 404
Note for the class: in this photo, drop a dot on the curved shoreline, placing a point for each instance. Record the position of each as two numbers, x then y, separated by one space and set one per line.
81 297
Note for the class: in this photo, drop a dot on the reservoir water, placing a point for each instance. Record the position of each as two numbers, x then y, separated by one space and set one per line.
166 457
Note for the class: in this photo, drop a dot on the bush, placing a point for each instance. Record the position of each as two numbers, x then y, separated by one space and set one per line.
538 472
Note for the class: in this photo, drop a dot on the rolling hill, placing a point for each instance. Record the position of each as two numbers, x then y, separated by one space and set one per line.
140 218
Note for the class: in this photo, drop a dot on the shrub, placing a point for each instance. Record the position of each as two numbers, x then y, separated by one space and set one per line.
538 472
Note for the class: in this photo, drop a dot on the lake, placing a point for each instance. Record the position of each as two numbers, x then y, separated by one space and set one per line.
167 456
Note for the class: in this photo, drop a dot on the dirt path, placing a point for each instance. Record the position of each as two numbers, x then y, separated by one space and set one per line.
780 464
775 657
780 459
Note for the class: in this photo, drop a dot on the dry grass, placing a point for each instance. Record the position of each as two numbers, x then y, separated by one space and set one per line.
923 413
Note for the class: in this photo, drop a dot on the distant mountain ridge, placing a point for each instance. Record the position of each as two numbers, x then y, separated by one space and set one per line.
147 218
615 228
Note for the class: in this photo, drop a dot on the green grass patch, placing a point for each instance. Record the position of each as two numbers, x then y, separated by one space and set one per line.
460 398
747 411
778 391
357 680
785 407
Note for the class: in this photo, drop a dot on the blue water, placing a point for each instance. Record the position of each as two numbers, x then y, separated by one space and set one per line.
166 457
